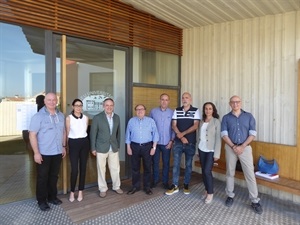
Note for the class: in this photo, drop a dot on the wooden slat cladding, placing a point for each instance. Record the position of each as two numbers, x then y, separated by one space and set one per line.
149 97
102 20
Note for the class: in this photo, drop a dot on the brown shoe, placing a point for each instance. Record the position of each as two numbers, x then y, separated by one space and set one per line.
119 191
103 194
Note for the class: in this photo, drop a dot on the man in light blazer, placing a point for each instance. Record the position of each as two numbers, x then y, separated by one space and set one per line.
105 144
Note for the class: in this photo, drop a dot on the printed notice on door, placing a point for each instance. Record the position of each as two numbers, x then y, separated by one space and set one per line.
24 113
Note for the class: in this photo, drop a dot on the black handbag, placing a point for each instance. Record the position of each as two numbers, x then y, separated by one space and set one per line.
267 166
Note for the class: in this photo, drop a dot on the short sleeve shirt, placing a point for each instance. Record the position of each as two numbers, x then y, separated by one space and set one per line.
50 130
185 120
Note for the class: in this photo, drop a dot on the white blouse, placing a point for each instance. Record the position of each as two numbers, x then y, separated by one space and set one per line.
202 144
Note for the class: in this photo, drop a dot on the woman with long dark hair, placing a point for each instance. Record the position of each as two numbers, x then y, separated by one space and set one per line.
78 146
209 147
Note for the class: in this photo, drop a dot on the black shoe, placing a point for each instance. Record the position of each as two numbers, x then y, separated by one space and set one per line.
148 191
166 186
257 208
44 206
132 191
229 202
186 189
55 201
154 184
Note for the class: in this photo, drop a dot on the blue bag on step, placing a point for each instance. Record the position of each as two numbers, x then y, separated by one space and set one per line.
267 166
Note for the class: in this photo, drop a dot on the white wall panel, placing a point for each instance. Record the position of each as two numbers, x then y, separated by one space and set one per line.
255 59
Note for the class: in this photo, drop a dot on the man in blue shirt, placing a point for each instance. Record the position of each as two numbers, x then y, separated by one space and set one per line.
47 136
185 122
141 139
162 116
238 131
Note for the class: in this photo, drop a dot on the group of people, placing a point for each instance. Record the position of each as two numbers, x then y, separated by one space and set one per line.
52 136
147 137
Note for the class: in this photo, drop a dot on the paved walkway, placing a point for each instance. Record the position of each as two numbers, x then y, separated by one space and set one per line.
168 210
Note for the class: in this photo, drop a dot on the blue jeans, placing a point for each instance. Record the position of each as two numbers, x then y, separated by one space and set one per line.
189 151
207 162
166 163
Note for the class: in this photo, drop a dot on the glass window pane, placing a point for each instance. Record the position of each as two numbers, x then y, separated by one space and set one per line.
22 74
94 72
22 79
22 61
152 67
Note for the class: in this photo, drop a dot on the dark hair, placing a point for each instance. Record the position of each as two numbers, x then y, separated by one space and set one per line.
215 111
139 105
40 101
163 95
76 100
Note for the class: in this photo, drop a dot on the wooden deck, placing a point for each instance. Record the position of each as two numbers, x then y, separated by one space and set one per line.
93 206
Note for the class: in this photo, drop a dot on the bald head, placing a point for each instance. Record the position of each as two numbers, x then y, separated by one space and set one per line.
186 100
235 103
51 101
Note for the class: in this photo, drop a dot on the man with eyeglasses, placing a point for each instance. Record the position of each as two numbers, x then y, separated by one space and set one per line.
105 137
141 139
238 130
47 136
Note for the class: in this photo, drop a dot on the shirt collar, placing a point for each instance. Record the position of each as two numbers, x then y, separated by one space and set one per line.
46 110
242 111
112 114
182 107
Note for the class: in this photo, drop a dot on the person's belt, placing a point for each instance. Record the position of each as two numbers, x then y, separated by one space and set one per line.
238 144
142 144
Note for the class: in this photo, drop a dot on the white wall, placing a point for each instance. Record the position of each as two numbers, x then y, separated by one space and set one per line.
8 118
256 59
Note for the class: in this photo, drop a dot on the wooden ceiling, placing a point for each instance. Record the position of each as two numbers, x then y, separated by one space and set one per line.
197 13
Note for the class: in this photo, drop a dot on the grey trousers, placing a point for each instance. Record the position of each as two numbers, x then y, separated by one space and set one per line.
246 159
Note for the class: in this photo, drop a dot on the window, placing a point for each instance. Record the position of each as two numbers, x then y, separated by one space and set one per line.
152 67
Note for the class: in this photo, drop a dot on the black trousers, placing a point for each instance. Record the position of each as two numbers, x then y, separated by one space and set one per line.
47 176
78 153
141 153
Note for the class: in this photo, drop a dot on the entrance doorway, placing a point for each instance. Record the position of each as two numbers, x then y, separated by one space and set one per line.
93 71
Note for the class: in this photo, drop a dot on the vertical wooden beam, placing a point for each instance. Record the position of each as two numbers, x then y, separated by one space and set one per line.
298 109
63 105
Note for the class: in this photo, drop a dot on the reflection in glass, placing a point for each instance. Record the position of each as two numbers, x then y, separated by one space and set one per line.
22 79
152 67
22 72
22 61
95 71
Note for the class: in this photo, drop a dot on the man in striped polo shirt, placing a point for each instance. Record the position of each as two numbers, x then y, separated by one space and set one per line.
185 122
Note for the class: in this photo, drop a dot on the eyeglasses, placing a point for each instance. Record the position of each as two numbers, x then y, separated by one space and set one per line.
235 102
77 105
139 109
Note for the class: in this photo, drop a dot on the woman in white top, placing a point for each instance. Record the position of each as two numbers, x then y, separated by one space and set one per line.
78 145
209 147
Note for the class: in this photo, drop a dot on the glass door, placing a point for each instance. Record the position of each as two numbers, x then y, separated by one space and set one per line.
93 72
22 83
